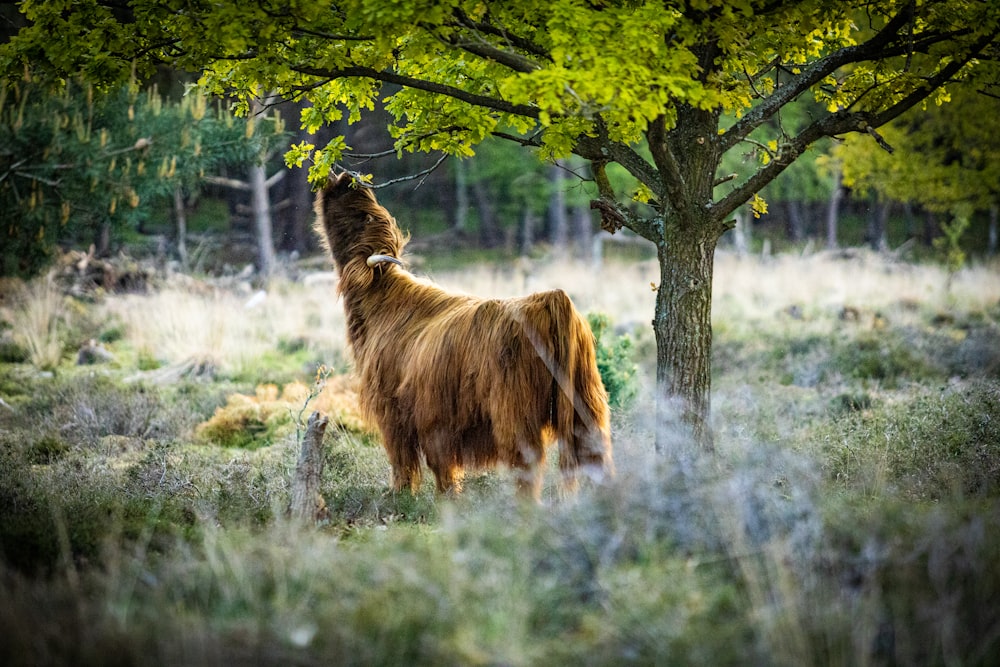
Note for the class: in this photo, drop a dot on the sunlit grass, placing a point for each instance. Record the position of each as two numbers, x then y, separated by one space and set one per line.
231 330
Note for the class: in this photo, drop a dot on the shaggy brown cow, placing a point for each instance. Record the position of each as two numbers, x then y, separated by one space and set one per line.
464 382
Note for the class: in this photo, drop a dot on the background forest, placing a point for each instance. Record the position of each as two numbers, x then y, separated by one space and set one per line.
161 176
168 323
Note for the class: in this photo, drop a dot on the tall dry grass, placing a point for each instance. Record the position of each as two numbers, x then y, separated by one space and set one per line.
748 286
229 330
40 320
232 328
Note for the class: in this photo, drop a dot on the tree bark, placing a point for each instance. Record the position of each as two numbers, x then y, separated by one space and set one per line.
683 329
306 503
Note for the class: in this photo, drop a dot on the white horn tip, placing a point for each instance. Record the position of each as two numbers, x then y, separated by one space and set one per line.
379 259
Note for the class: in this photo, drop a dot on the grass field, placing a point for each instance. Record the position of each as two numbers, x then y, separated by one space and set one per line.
851 515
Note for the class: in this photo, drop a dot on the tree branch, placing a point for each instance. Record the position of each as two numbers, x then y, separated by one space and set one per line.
945 74
275 178
531 142
613 216
487 51
666 163
227 182
811 75
602 149
411 177
840 122
387 76
489 29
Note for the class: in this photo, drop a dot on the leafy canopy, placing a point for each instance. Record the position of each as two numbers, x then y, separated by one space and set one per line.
958 145
597 78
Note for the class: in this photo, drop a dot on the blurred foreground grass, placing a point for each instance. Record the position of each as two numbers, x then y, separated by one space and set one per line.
851 516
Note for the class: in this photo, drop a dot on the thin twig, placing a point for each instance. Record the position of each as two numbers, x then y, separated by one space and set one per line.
411 177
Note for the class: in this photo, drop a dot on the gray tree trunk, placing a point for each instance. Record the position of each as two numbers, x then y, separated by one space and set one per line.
796 225
683 328
743 231
994 232
260 204
878 235
528 222
682 323
584 230
558 217
833 210
461 195
181 216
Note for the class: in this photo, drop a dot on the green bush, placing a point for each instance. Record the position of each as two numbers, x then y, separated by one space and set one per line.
614 361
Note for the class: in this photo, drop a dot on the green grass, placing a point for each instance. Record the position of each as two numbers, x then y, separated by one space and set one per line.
851 515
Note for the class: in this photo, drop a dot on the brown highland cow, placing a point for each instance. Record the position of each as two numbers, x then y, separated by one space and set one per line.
461 381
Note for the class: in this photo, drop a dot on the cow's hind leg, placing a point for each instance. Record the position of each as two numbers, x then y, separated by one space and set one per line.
529 458
404 457
443 462
406 477
449 479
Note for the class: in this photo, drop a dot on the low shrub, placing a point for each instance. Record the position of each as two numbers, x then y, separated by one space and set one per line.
614 361
255 421
939 445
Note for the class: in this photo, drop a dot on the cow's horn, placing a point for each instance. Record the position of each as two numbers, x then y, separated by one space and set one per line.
378 259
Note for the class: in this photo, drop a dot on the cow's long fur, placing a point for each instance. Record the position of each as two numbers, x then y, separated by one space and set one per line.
461 381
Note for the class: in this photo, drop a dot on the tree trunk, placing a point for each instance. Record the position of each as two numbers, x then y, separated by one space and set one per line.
489 231
743 231
584 230
181 216
558 217
261 206
527 240
877 224
103 241
461 220
833 210
991 242
683 328
931 228
796 226
686 236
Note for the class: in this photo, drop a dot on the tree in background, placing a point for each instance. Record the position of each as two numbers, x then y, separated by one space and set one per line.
83 167
645 85
958 173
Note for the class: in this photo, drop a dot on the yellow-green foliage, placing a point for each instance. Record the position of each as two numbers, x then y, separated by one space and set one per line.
270 414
